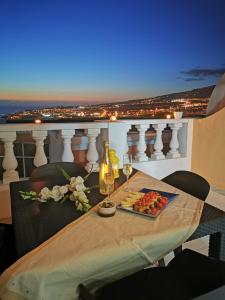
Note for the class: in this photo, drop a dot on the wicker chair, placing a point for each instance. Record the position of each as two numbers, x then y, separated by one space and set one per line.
189 182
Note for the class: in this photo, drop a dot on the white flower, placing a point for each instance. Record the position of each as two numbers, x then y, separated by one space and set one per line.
79 180
80 200
77 183
78 195
63 189
73 182
78 205
75 191
56 194
80 187
45 193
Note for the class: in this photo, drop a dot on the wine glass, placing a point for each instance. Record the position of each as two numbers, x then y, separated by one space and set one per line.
127 169
109 182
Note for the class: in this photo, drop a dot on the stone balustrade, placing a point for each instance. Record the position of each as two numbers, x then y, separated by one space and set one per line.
161 146
123 137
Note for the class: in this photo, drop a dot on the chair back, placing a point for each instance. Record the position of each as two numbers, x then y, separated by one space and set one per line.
190 183
53 170
190 275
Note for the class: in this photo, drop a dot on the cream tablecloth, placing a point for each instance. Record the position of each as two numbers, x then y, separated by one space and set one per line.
93 249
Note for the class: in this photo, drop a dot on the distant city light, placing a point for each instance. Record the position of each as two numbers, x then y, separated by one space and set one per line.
46 115
158 107
113 118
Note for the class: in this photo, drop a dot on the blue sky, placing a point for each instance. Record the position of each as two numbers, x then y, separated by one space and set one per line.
108 50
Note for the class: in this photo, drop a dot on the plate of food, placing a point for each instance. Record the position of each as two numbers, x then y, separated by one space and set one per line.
147 202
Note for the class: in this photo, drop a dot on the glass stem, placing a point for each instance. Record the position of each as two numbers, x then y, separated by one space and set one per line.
108 193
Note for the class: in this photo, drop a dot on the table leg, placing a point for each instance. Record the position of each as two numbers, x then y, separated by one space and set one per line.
178 250
161 262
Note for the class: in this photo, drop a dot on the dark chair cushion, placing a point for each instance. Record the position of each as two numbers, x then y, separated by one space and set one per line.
7 247
200 274
189 182
153 283
188 275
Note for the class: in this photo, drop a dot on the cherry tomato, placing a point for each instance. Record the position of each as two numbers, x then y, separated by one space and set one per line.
160 205
154 211
164 200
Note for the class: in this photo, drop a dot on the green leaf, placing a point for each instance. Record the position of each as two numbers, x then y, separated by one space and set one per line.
92 187
65 174
28 195
65 198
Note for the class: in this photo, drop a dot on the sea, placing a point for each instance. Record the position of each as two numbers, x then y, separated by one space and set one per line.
11 106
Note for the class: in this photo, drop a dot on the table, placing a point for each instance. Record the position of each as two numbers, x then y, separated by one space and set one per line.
35 222
83 251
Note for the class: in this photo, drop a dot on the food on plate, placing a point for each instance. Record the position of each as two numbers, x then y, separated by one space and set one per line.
131 199
107 208
150 203
107 204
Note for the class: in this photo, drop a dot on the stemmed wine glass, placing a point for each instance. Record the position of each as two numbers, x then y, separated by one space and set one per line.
109 182
127 169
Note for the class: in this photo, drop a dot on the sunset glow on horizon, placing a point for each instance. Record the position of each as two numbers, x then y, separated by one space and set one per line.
90 97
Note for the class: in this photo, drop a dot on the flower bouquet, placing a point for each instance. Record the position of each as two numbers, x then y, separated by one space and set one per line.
75 191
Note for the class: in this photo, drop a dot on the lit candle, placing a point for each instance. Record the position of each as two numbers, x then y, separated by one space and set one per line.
168 116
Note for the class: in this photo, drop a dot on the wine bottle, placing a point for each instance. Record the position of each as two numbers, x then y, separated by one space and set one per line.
105 167
115 162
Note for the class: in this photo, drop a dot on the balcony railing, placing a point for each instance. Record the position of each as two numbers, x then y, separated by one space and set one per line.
159 146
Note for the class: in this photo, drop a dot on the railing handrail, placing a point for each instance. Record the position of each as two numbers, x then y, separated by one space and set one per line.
51 126
154 121
84 125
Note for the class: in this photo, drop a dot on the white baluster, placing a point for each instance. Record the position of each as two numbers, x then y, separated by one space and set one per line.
39 136
141 156
174 144
92 154
158 146
127 128
67 135
9 162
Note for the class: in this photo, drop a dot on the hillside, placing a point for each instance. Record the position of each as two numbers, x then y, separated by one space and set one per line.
204 92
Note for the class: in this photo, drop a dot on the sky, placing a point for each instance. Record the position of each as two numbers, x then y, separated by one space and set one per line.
92 51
